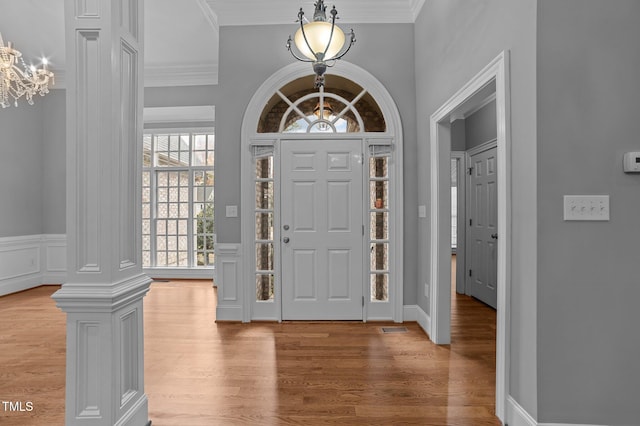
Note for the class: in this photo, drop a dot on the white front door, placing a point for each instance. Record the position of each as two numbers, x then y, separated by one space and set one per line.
322 230
482 254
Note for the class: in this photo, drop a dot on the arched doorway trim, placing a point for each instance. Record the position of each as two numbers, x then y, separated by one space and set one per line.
243 275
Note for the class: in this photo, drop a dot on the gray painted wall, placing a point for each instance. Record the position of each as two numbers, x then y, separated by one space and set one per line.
34 142
480 127
458 137
21 169
476 129
454 40
54 148
249 55
588 285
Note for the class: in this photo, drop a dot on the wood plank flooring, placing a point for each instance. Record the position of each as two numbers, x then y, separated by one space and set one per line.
199 372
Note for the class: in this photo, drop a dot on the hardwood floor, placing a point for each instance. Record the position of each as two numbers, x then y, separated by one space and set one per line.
199 372
32 357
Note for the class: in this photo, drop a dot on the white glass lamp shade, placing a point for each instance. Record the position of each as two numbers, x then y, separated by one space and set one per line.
318 35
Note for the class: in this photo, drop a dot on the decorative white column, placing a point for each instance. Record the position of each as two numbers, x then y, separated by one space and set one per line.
105 287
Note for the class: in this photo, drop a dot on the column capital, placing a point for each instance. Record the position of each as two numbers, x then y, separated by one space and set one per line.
101 297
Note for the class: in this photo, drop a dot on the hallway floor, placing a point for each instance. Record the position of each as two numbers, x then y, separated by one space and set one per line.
198 372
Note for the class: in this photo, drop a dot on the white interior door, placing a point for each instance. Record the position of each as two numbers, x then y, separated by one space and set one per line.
482 254
322 230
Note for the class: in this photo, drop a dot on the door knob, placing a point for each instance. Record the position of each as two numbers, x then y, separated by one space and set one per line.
494 236
285 240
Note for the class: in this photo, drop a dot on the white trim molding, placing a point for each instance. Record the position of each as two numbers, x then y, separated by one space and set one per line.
415 313
181 273
393 136
177 75
518 416
228 280
32 260
496 72
179 114
566 424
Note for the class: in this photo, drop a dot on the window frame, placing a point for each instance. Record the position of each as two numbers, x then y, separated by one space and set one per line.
192 270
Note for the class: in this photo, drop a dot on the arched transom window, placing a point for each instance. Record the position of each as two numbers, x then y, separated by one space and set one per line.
341 106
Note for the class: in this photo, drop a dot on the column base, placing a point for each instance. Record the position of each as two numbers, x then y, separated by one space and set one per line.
105 352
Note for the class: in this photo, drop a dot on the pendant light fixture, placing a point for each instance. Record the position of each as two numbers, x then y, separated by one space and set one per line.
320 42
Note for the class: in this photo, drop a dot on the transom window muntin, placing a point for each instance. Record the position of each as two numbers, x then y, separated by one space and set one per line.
344 107
298 107
177 198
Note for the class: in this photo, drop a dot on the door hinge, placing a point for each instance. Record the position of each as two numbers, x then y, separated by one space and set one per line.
363 230
470 170
470 222
470 272
363 301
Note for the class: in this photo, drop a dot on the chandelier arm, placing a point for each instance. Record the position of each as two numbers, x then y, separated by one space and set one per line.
351 41
299 58
333 25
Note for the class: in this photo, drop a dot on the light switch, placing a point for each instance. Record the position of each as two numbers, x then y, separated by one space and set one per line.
586 207
422 211
232 211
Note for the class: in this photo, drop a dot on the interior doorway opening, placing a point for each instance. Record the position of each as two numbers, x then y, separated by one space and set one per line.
494 78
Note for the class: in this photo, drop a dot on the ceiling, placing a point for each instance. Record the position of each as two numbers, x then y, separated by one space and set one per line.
181 36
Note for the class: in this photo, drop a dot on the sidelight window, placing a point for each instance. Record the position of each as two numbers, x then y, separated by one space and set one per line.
379 223
264 211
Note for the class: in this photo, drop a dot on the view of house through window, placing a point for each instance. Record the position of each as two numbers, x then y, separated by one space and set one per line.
177 198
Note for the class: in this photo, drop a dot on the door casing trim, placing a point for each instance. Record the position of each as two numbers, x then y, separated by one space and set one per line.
440 225
249 137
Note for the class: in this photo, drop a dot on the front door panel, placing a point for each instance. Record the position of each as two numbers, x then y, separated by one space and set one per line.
322 252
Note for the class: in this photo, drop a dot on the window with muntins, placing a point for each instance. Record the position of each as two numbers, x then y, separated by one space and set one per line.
341 106
177 199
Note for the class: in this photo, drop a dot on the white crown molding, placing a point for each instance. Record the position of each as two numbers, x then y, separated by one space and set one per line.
416 7
164 76
254 12
176 75
211 16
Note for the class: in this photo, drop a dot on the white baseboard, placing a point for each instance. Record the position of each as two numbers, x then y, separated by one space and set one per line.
229 313
180 273
32 260
415 313
565 424
518 416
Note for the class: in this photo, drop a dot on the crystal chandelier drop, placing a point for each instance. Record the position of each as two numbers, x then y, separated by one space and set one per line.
321 42
18 80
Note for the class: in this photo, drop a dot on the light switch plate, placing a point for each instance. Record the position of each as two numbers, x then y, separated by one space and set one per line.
422 211
232 211
586 207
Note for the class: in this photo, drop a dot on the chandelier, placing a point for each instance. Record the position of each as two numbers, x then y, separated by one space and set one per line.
321 42
18 80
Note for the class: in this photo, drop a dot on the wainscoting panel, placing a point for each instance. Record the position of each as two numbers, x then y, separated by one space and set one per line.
228 281
32 260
